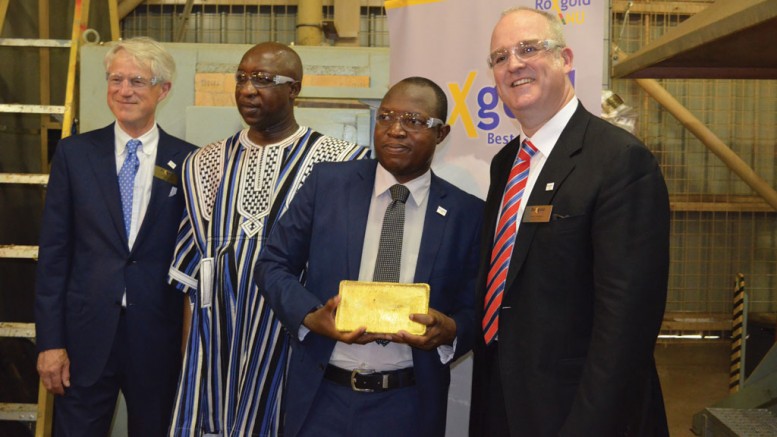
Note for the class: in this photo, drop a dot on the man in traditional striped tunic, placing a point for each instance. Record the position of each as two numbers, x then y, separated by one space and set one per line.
235 360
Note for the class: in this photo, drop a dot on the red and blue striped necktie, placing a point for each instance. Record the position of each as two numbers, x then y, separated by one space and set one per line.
505 239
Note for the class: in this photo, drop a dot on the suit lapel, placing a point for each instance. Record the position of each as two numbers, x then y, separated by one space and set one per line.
103 159
434 229
559 165
358 207
160 189
495 192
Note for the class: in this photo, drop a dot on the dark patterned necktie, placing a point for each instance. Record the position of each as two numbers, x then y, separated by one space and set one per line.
390 247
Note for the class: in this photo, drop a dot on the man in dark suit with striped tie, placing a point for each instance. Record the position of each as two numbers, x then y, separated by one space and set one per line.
574 260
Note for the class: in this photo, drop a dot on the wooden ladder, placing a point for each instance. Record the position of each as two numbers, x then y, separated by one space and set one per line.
42 412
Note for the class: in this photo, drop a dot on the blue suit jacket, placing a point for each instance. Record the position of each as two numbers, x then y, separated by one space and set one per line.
85 264
324 227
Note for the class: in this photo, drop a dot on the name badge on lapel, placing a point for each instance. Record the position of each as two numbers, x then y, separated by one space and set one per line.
537 214
165 175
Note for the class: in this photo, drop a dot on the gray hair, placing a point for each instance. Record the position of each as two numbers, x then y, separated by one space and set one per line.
555 25
147 53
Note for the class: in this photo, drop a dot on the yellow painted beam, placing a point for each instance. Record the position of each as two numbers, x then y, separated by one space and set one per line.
18 251
19 330
3 11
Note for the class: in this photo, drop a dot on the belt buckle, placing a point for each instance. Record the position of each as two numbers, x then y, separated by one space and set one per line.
355 372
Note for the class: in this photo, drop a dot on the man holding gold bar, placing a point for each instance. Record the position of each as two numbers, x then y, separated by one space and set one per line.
385 221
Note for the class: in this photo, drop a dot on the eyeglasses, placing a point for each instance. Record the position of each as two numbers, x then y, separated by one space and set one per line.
136 82
409 121
524 51
260 79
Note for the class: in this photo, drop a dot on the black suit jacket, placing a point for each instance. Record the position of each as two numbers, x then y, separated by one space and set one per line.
85 264
585 291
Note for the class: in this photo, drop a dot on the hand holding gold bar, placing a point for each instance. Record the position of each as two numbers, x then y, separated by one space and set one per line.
381 307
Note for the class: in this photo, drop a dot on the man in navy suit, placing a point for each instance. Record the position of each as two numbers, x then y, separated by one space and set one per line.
346 383
106 320
573 280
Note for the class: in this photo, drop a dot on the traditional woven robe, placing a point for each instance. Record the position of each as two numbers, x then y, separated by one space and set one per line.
235 360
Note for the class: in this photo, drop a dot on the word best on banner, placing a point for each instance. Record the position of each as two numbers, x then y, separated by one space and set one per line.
448 41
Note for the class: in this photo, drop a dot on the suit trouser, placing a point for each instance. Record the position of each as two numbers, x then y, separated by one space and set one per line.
496 414
88 410
338 411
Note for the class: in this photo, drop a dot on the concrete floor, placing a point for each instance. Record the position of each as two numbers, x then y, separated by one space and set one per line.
694 375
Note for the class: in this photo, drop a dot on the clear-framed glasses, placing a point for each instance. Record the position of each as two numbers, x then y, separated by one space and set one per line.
409 121
260 79
136 82
524 51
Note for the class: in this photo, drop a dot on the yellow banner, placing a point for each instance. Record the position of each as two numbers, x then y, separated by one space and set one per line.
394 4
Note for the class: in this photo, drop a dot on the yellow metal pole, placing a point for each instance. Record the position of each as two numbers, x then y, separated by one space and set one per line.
80 18
44 67
113 13
3 11
183 21
45 412
309 18
738 340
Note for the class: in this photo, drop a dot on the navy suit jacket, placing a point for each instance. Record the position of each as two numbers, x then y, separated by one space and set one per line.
85 264
324 227
585 291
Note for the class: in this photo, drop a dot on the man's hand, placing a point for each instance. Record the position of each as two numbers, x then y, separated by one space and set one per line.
54 370
440 330
322 322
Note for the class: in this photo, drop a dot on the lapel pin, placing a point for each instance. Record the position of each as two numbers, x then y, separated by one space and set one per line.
171 164
549 186
442 211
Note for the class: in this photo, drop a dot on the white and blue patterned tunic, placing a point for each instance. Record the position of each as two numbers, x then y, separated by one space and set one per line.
235 361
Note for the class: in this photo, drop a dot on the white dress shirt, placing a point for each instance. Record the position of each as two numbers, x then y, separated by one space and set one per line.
145 176
544 140
141 192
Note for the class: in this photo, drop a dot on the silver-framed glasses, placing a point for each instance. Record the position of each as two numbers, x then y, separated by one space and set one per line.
136 82
523 51
409 121
260 79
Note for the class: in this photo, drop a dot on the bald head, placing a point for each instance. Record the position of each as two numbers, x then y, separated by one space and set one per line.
268 108
284 60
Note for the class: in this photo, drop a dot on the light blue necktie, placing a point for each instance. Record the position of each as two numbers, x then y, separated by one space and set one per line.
127 181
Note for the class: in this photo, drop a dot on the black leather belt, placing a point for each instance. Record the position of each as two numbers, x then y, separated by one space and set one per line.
365 380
